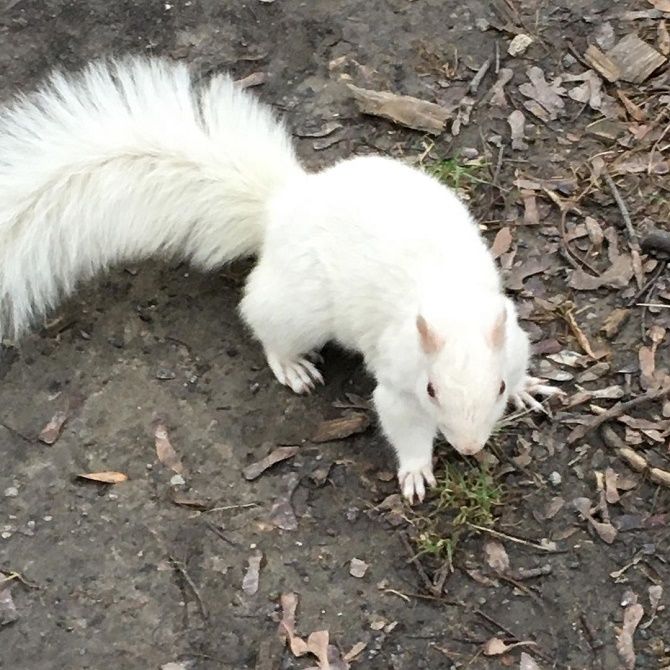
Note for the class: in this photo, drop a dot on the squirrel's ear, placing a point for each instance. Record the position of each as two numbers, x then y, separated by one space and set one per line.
431 342
497 334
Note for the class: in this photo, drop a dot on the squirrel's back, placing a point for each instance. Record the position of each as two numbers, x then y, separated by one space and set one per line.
124 160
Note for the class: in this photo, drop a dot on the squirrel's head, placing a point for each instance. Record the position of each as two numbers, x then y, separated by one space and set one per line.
462 384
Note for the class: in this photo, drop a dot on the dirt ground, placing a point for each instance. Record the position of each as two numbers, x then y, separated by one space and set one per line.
122 576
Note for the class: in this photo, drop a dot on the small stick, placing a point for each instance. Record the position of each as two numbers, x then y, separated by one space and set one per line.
659 271
623 209
512 538
181 569
427 582
615 412
481 73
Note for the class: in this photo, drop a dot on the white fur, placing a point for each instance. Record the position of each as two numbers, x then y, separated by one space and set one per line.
132 159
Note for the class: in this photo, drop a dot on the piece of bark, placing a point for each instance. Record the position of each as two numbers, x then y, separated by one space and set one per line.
635 59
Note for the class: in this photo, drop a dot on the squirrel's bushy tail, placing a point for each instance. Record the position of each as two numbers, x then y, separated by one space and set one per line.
128 159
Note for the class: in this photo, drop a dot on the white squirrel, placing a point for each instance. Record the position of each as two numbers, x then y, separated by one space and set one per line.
134 158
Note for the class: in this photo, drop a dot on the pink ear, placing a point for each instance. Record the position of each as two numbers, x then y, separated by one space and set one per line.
431 342
497 335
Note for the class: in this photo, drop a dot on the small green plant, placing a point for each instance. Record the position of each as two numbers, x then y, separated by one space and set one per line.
459 174
465 495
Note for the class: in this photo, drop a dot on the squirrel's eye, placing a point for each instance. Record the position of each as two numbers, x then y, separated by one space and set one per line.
430 389
502 388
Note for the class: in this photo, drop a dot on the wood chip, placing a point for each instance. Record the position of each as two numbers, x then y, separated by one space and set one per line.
253 79
339 429
602 63
51 432
278 455
636 60
105 477
402 109
663 38
614 322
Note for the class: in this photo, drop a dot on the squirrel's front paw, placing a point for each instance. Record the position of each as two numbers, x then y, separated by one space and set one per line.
523 396
300 375
413 480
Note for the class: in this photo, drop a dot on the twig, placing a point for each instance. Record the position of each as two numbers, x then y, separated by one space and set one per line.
414 560
512 538
219 533
654 278
11 575
623 209
13 431
615 412
181 569
230 507
481 73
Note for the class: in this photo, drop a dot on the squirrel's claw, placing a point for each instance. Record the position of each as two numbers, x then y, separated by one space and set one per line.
523 397
412 482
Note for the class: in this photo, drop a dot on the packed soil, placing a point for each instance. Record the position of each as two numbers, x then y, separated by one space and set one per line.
151 571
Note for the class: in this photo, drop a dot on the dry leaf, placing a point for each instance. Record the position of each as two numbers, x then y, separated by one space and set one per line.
358 568
611 492
278 455
614 322
252 575
165 451
496 556
554 506
183 500
595 232
527 662
402 109
531 216
618 275
547 95
498 98
282 515
495 646
355 651
502 242
253 79
580 336
517 121
624 642
105 477
51 432
514 280
289 604
661 5
8 613
339 429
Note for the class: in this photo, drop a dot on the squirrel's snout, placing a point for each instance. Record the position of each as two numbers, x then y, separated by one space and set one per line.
469 448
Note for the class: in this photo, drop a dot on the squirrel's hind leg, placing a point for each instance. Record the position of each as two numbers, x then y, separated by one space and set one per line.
290 323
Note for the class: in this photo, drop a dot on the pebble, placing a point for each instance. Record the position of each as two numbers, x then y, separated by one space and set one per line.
555 478
11 492
177 480
519 44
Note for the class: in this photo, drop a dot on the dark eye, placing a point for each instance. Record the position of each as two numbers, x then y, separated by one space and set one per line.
502 388
430 389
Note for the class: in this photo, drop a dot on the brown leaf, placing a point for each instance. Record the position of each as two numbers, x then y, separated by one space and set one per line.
502 242
616 276
253 79
165 451
514 280
402 109
495 646
51 432
517 122
282 515
252 575
580 336
358 568
633 110
595 232
496 556
611 492
498 98
614 322
278 455
355 651
554 506
547 95
105 477
339 429
289 604
8 612
624 642
531 215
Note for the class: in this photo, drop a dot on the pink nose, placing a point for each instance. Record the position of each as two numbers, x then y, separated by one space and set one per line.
469 448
